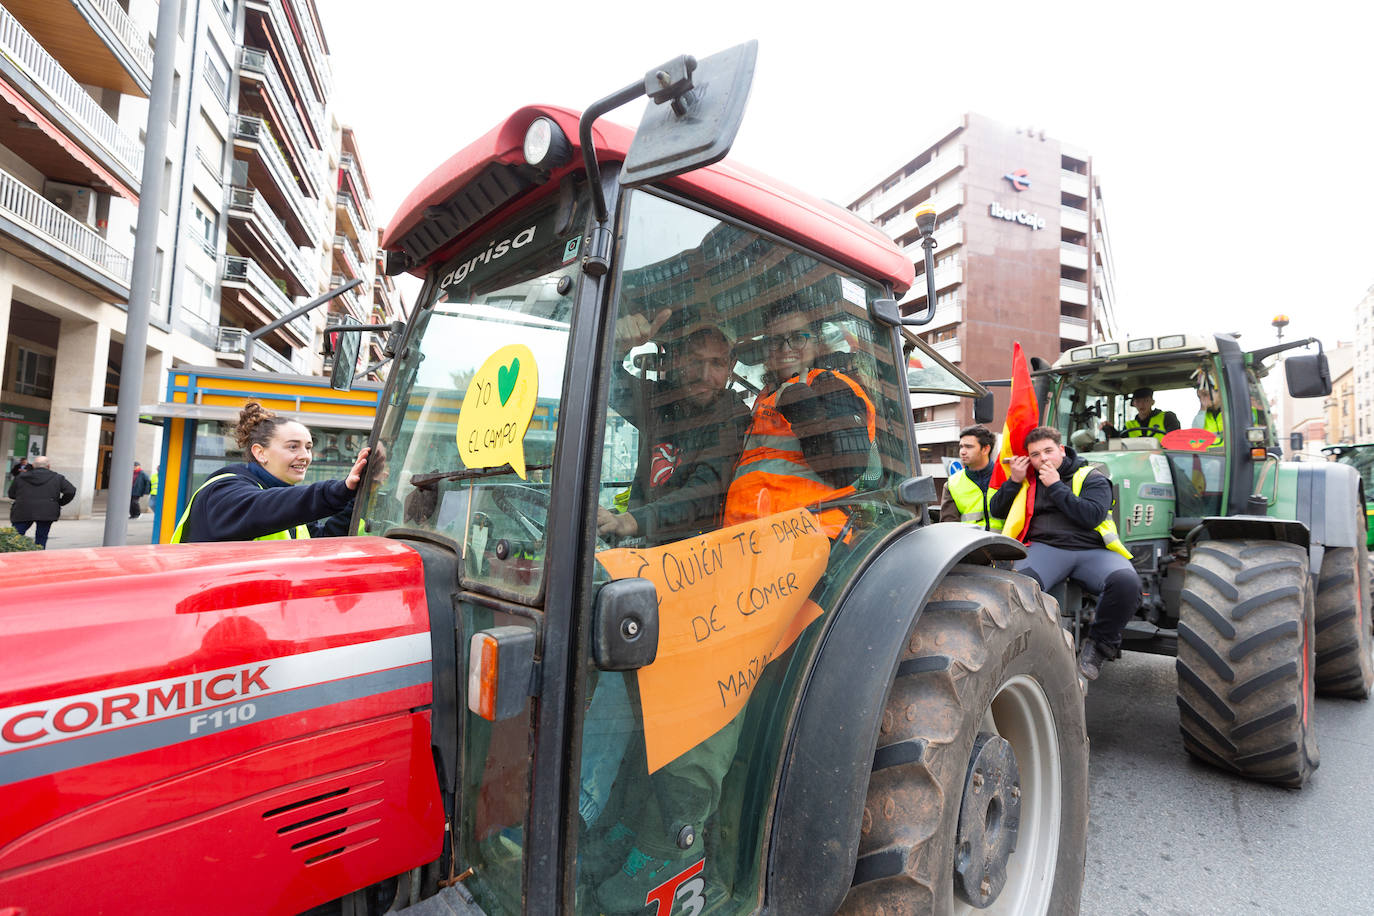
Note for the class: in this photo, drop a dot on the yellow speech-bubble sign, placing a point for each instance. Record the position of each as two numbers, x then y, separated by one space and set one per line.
497 410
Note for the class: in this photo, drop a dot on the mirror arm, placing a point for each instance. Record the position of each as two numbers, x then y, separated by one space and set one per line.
584 134
1266 352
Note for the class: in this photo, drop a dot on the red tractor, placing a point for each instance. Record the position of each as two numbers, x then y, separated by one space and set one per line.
611 643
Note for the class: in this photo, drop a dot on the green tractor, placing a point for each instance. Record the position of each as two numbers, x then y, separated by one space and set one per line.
1361 458
1253 570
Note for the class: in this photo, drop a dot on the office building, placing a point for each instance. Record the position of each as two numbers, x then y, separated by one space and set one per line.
1022 254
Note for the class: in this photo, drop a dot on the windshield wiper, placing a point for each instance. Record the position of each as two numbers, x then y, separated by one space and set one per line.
429 480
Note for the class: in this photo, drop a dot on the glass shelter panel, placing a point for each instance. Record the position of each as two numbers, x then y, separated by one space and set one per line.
755 429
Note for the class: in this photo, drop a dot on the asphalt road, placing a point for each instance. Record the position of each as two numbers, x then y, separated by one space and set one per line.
1171 836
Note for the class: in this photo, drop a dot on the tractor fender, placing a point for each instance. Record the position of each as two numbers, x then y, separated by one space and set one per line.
1328 499
830 751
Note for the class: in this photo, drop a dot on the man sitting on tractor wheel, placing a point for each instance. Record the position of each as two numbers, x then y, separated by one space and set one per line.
1071 535
1148 421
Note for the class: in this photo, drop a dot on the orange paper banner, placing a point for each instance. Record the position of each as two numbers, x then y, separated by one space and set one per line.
729 602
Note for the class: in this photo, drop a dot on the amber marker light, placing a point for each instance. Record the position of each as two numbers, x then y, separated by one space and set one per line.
484 671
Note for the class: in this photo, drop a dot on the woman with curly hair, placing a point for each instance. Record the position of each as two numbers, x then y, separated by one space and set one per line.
260 499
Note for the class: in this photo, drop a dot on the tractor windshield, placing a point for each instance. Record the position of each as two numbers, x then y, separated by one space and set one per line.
466 444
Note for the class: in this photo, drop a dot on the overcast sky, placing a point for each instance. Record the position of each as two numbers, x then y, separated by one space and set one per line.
1233 142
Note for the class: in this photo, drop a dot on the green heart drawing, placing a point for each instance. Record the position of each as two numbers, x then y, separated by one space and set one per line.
505 380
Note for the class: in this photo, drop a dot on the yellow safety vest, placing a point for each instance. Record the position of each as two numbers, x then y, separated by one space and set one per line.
1108 527
1212 423
1135 429
972 501
302 532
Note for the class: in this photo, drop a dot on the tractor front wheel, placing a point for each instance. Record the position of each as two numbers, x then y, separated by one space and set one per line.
978 798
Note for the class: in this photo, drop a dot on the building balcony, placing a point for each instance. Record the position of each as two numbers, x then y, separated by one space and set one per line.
946 237
270 28
945 277
348 303
257 231
315 56
1073 219
1073 182
48 238
349 166
235 340
346 259
932 171
949 349
260 294
96 41
271 176
30 76
349 219
1075 329
937 431
903 223
1073 291
258 71
1075 256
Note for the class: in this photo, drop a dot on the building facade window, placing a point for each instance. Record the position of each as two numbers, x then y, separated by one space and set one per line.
198 306
33 373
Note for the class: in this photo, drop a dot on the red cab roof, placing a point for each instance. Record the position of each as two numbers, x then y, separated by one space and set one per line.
741 192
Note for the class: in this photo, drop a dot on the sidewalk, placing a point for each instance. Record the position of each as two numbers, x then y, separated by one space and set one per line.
90 532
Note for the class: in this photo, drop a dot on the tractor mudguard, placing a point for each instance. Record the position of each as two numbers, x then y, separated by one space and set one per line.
830 752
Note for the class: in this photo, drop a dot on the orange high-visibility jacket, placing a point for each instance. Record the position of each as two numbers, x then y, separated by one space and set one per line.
773 476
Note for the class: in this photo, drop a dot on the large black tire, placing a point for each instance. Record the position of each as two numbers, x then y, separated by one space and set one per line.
986 656
1345 667
1246 660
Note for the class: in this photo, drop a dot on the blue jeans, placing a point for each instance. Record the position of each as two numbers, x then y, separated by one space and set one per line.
1108 575
40 534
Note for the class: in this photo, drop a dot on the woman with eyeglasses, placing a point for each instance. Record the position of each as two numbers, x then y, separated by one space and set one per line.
812 430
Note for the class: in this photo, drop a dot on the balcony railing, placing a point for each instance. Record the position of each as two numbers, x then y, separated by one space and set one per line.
345 200
119 22
246 272
256 130
318 61
254 61
250 201
287 42
40 66
346 161
234 340
349 299
23 204
341 243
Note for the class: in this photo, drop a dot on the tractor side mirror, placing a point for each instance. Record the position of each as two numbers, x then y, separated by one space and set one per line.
697 110
982 409
345 350
1309 375
1295 443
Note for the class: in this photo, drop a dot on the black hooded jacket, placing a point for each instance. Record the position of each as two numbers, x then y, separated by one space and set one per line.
39 495
251 503
1061 519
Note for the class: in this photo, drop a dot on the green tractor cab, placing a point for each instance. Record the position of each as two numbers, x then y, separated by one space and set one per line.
1253 570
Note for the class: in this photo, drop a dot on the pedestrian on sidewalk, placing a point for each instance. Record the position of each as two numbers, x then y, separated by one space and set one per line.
39 495
141 488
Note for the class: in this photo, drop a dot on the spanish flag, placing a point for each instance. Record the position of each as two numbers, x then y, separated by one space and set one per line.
1023 415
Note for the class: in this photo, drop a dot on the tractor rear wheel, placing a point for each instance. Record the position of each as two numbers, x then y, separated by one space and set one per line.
1246 660
978 798
1345 667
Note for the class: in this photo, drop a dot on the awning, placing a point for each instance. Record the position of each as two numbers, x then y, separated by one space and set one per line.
156 413
28 110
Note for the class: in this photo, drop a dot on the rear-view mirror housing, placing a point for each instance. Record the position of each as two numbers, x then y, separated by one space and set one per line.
1309 375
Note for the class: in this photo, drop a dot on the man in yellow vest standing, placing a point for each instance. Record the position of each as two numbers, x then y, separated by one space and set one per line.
966 492
1071 535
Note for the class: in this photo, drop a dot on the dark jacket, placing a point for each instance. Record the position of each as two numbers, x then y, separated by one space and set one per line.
687 456
39 495
252 503
142 486
1061 519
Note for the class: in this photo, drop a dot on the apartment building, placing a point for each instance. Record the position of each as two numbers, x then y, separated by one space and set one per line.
1022 254
1364 368
253 203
